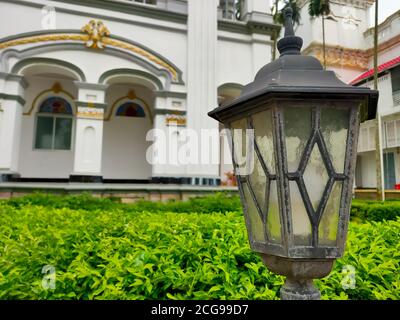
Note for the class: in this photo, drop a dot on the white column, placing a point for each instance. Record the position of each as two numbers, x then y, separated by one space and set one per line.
263 6
89 133
12 89
261 51
201 80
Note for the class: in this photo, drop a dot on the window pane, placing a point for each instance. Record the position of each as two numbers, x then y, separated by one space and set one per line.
253 217
315 177
334 127
329 222
297 131
262 123
62 139
44 133
302 230
273 218
240 146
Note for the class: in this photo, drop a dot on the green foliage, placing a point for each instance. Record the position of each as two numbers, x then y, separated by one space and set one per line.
218 202
318 8
362 210
280 18
102 249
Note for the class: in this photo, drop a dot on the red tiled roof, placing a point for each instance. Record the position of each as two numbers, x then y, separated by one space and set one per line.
381 68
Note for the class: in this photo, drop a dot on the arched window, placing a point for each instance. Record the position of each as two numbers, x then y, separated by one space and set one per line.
130 109
54 124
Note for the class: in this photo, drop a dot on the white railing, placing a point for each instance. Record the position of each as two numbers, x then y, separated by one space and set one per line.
396 98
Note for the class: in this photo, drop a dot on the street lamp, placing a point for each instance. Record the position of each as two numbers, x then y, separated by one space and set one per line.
293 134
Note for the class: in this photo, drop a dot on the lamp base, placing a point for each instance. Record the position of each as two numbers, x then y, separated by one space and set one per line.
299 275
299 290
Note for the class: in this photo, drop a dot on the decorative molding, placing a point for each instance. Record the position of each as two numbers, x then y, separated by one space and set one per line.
90 113
91 86
169 111
339 56
159 85
177 120
89 104
57 89
37 60
14 97
364 4
170 94
132 8
96 31
94 41
395 41
131 96
14 77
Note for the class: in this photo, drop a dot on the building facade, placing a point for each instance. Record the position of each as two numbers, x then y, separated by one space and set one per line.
83 83
349 52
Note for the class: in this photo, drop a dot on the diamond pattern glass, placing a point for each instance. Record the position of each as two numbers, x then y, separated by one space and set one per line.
335 134
254 222
328 225
315 177
297 132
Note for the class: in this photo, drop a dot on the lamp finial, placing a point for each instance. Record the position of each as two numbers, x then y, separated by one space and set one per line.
289 44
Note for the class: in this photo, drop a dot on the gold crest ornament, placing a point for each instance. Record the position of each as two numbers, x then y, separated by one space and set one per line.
96 30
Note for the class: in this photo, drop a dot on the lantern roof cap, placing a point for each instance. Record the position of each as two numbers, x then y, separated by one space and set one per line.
295 75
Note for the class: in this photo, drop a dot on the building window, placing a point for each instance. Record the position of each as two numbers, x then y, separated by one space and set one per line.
130 109
153 2
54 125
395 76
231 9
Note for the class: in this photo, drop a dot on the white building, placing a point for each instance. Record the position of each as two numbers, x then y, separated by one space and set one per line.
82 83
349 52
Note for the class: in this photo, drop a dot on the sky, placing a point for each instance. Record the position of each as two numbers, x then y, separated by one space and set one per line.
385 9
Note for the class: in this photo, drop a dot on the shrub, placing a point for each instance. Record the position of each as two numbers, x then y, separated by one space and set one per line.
362 210
122 253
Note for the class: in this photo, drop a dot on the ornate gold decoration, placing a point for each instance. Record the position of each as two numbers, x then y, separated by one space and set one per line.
339 56
90 113
177 120
56 88
96 31
146 54
100 40
131 94
132 97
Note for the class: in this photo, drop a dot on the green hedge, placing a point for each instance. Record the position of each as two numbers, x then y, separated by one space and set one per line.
362 210
218 202
111 251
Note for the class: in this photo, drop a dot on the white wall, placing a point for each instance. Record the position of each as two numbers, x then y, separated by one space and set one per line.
368 170
167 38
42 163
124 139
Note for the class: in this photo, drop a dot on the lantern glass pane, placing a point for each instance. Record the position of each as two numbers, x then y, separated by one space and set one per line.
302 230
262 124
315 177
273 217
334 128
298 127
258 182
328 227
239 145
254 221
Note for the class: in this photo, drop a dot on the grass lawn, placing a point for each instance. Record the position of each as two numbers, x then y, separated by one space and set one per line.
101 249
